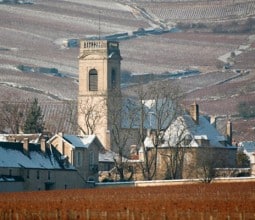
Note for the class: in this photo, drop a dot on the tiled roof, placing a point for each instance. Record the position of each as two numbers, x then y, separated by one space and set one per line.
12 155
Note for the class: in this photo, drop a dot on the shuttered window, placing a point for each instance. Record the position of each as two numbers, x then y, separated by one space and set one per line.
93 80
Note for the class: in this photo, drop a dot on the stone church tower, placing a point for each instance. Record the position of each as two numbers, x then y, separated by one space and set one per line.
99 76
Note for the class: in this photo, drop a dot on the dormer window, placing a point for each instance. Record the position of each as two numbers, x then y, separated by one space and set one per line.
93 80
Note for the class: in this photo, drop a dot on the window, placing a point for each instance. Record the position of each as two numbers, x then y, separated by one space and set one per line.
38 174
113 79
92 166
28 174
78 159
107 166
91 179
91 158
93 80
48 175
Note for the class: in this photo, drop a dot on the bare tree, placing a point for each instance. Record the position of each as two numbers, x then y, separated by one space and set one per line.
153 108
208 159
120 116
206 164
122 119
242 160
177 141
158 107
12 116
92 113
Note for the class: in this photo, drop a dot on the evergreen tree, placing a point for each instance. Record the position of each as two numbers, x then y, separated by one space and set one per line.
242 160
34 120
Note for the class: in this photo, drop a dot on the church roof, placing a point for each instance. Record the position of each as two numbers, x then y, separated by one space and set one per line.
132 113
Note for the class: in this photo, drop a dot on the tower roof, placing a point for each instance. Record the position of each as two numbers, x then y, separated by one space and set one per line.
104 47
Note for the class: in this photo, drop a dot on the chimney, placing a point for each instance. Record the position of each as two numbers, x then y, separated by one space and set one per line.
194 112
60 134
229 132
61 143
25 145
149 132
43 145
213 121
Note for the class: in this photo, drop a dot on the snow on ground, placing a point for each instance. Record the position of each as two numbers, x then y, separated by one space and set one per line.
102 4
9 67
224 58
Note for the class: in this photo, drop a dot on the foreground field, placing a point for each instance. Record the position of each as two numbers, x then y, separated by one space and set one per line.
193 201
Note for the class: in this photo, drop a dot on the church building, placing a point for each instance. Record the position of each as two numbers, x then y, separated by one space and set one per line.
100 96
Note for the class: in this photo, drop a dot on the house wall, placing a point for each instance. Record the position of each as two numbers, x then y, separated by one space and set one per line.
36 179
11 186
93 163
253 169
41 179
252 165
81 158
194 160
64 148
88 166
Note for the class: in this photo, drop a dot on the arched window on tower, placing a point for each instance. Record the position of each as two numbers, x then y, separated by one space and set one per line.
113 79
93 80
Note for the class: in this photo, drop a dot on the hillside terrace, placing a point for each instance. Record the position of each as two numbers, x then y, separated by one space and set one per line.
30 35
200 11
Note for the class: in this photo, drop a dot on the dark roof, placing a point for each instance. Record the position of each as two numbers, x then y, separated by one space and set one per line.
13 155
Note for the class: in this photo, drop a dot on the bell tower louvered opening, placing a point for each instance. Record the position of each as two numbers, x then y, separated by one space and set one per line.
93 80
